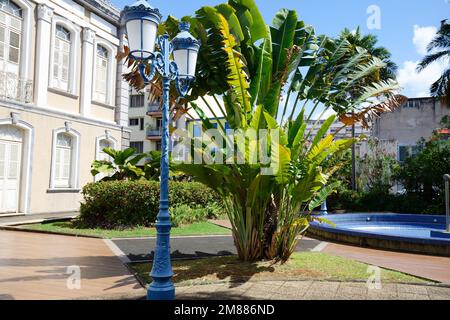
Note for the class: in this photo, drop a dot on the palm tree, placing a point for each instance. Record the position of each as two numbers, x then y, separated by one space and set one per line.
369 43
439 50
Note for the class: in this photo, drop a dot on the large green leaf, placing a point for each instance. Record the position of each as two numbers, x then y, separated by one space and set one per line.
322 195
272 124
236 76
280 162
230 14
250 18
262 79
283 32
323 130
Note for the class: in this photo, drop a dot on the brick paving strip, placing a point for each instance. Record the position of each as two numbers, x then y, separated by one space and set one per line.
311 290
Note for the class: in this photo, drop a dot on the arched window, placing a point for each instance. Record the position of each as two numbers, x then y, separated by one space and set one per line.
11 8
61 58
10 36
63 160
101 69
102 144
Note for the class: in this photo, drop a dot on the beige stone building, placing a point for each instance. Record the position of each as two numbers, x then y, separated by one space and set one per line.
399 131
62 100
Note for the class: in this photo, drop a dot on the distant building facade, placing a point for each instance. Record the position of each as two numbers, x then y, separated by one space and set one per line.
62 100
400 130
145 122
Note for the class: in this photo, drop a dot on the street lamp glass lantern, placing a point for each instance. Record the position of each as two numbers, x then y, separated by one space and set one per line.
141 23
185 52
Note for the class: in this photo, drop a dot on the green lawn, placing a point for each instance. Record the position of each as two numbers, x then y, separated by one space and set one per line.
302 266
67 227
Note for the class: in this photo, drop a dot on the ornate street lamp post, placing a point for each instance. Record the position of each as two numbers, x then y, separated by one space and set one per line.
141 22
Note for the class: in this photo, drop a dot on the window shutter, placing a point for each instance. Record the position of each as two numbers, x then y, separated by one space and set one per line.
66 165
14 44
2 41
57 163
61 63
2 159
13 161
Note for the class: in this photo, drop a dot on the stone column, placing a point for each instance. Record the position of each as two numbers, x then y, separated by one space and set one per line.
42 63
122 95
87 71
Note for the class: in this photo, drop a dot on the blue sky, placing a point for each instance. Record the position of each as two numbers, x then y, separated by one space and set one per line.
406 26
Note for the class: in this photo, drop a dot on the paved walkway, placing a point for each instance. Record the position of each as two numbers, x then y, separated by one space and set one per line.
311 290
430 267
41 266
34 218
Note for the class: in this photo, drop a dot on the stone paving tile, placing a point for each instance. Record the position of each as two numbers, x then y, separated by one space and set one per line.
415 289
412 296
439 297
352 291
387 292
311 290
438 291
296 289
322 290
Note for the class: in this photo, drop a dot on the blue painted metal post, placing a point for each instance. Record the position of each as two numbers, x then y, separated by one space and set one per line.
162 287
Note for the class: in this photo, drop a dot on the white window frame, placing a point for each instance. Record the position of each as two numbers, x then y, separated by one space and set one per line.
74 179
112 140
113 143
25 39
59 82
110 80
27 164
75 45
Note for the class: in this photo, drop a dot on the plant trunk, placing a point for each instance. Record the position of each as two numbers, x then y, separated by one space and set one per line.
270 228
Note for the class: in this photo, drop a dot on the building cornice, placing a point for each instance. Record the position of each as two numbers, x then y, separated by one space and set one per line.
58 114
103 8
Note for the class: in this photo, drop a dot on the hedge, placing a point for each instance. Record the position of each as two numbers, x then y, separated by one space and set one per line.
122 204
352 201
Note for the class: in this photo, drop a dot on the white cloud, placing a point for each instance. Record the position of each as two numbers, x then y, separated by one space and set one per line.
418 84
422 37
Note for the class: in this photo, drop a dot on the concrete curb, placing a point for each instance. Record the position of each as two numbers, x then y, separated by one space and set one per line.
19 229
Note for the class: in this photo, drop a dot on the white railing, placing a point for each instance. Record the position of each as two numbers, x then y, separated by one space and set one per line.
14 88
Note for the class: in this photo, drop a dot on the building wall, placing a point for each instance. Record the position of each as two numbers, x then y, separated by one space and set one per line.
415 120
49 110
408 124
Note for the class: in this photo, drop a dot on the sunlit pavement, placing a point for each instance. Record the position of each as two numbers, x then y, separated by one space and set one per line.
43 266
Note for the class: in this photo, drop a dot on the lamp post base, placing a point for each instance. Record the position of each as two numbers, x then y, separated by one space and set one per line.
323 208
161 291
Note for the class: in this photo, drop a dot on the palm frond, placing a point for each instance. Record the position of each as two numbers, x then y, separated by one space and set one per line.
370 113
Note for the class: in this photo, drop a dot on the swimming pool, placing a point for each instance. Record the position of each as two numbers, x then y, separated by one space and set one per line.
403 232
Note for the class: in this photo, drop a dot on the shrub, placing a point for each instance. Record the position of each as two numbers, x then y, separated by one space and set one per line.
184 214
120 204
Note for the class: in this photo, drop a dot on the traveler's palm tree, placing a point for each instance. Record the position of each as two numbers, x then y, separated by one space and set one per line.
247 67
439 50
